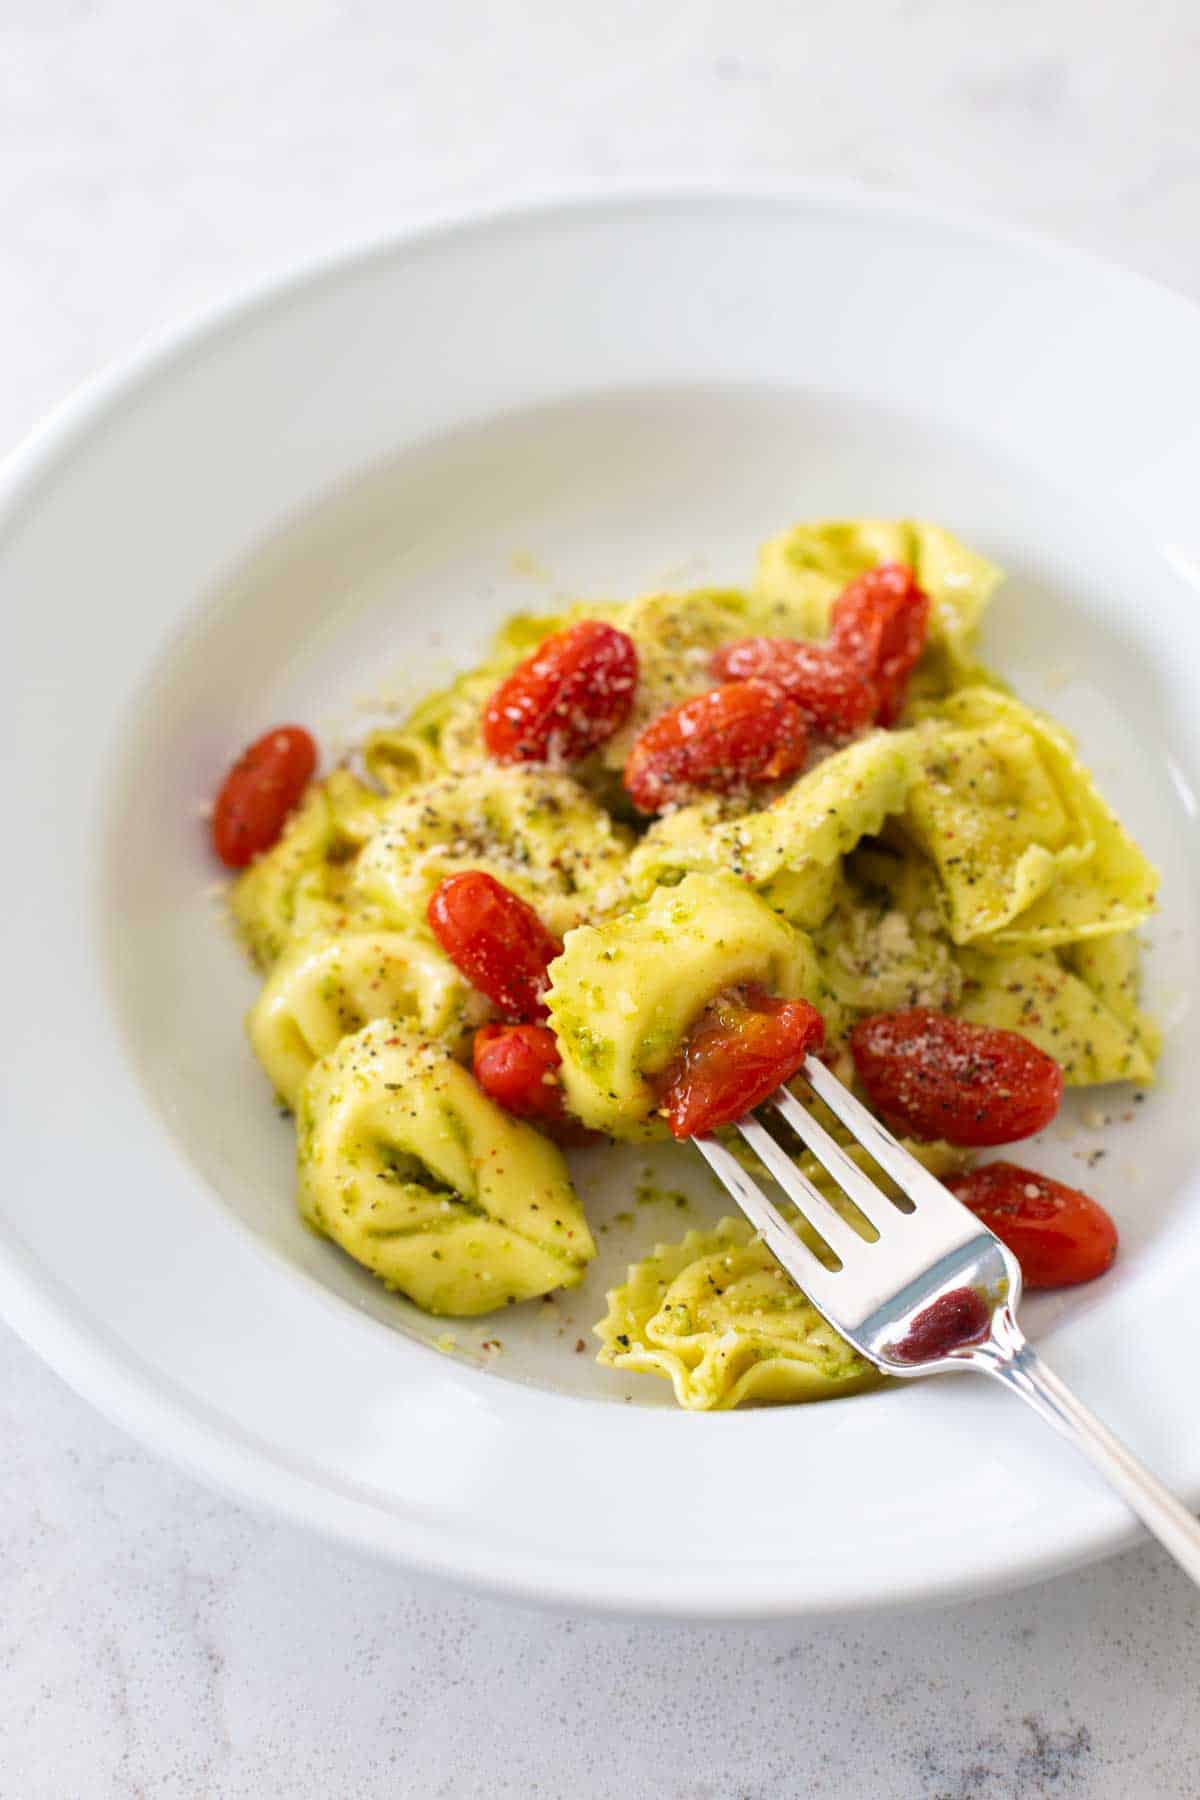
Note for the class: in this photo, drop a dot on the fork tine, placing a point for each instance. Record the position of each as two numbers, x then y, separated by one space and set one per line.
922 1188
838 1233
853 1181
779 1237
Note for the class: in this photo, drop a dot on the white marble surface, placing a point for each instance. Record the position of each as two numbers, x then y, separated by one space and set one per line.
156 1640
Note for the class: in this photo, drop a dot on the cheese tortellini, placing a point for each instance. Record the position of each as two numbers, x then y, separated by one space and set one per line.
716 1315
305 883
534 829
328 987
408 1166
1027 852
1109 967
624 994
790 850
1037 994
802 572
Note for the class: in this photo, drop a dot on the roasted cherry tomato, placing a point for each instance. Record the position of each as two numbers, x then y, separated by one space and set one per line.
497 941
937 1077
566 699
1058 1235
259 792
878 627
517 1067
733 736
834 695
743 1047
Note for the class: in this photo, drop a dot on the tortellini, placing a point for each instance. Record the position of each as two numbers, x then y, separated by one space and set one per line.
328 987
532 828
1110 967
624 994
1036 994
398 759
884 946
790 850
1027 852
408 1166
802 572
304 884
719 1318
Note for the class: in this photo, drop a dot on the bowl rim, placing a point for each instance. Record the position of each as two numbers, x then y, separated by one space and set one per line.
66 424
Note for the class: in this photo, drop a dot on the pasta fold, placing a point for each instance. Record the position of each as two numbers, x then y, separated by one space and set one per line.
413 1171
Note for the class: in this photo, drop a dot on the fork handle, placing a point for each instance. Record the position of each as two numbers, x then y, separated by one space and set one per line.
1172 1524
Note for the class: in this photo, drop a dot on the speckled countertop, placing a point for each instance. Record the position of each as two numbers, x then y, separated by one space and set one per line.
158 1641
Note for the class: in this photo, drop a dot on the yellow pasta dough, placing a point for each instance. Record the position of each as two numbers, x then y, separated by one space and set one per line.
802 572
407 1165
397 759
1036 994
623 994
1110 966
326 988
790 850
1028 853
304 884
718 1317
534 829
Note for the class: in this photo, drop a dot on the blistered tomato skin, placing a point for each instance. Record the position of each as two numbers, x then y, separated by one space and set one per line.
738 735
566 699
878 627
937 1077
517 1067
1059 1236
497 941
743 1047
834 695
259 792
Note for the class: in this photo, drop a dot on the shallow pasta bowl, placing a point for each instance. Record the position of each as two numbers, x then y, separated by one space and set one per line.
334 490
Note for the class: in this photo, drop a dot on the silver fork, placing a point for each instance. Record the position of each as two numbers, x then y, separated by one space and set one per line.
935 1291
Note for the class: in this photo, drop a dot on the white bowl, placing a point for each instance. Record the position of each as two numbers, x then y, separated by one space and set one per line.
344 482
